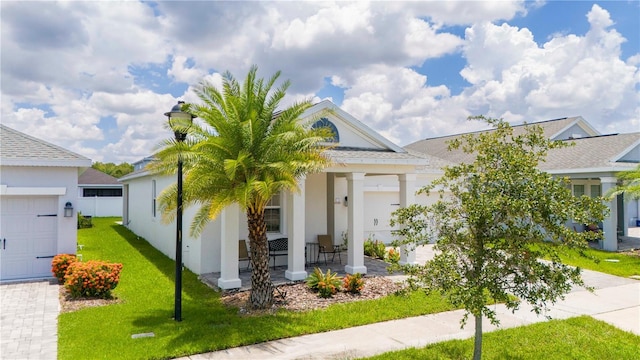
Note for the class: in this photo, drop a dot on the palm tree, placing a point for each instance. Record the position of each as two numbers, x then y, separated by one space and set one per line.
242 150
629 184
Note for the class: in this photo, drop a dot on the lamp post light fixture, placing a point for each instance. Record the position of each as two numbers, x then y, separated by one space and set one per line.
179 121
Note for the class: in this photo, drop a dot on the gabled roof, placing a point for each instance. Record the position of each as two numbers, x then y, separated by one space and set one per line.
364 145
92 176
594 152
552 129
333 111
555 129
19 149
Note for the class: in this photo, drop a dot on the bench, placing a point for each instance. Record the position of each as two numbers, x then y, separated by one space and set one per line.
278 247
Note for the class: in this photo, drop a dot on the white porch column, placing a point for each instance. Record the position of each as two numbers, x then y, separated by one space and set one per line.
355 196
407 197
610 224
296 232
229 237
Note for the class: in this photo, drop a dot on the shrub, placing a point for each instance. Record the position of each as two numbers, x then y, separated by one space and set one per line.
374 248
393 256
92 279
325 284
353 283
368 247
84 222
60 264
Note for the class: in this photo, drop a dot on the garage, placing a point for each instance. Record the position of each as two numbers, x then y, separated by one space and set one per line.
28 234
39 180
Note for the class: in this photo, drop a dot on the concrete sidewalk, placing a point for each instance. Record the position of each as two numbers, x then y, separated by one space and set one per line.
616 301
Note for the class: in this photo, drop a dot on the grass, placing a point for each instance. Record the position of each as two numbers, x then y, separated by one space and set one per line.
146 294
626 265
575 338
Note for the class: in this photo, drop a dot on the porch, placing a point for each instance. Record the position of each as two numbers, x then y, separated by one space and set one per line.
374 267
625 243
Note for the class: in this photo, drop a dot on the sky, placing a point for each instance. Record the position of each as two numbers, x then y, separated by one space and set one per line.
96 77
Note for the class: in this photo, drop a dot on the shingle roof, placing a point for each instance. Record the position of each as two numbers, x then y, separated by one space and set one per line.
92 176
596 152
372 156
592 153
438 146
20 149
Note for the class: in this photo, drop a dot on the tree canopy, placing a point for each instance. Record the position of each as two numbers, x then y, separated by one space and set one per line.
112 169
489 220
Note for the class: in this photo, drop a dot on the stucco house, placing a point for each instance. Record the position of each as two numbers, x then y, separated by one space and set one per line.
99 194
591 165
369 179
367 169
38 200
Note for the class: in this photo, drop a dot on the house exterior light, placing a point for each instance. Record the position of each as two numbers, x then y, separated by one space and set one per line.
68 209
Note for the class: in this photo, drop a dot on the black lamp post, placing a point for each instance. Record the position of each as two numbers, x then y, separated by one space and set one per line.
179 122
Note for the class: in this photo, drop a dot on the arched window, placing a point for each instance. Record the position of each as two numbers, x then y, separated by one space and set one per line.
324 122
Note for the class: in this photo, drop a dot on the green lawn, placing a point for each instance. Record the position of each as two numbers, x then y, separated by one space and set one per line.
626 265
146 291
576 338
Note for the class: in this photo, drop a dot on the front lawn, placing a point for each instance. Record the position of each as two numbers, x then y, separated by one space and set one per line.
575 338
612 263
146 294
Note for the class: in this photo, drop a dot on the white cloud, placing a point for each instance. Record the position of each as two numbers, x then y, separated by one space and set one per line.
75 73
568 75
512 77
466 12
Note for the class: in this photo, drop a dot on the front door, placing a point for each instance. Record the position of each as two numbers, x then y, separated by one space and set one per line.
28 236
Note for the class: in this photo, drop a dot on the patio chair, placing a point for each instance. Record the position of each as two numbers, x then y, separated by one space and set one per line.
243 252
326 246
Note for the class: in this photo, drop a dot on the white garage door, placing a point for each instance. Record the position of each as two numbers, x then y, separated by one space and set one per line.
28 236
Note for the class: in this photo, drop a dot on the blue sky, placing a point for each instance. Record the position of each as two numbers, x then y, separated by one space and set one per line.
96 77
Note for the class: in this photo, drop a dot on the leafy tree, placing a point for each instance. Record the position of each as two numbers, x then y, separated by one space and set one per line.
112 169
489 220
630 184
242 150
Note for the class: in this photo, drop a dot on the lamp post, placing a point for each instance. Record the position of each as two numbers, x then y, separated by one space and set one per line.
179 122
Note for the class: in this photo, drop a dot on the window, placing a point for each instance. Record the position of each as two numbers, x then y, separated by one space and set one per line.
325 123
101 192
153 198
272 214
596 191
578 190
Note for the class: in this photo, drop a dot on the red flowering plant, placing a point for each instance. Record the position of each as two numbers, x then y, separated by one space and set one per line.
93 279
60 264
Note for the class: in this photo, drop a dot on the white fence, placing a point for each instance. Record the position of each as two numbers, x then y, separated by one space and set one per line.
100 206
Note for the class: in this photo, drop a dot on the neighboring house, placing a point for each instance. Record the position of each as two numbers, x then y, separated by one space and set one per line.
591 165
38 181
330 202
99 194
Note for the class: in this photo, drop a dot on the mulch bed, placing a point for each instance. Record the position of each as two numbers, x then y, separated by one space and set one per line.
298 297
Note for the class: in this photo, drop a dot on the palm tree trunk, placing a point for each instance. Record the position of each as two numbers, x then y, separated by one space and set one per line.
261 296
477 341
